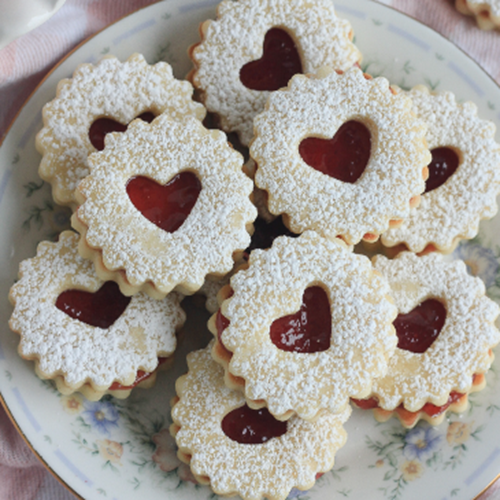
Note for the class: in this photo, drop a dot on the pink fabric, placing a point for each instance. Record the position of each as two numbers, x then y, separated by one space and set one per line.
25 61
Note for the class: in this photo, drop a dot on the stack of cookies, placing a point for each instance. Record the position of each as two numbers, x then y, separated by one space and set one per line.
338 164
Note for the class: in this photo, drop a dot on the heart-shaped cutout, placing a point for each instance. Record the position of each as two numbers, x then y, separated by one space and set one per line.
100 309
165 206
344 156
247 426
309 329
443 165
279 62
418 329
103 126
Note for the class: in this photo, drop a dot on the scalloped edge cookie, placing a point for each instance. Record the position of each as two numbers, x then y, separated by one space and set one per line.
110 89
236 38
269 469
81 357
129 249
317 106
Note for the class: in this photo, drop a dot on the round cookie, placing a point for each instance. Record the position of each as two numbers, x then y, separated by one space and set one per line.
445 333
239 451
340 154
306 326
165 205
464 175
82 332
486 12
305 35
99 99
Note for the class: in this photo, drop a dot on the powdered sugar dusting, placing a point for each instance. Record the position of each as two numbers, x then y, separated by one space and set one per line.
318 107
80 352
270 469
362 339
460 350
111 89
214 229
236 38
453 210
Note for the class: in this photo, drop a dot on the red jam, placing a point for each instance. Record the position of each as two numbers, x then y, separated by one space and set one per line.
308 330
165 206
103 126
280 61
344 157
100 309
247 426
266 232
429 408
443 165
418 329
141 376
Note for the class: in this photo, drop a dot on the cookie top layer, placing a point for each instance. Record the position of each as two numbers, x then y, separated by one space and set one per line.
138 252
110 89
318 107
269 469
236 38
82 353
453 210
462 347
362 335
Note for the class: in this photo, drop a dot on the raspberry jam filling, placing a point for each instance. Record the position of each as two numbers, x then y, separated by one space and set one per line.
103 126
266 232
309 329
443 165
344 157
100 309
418 329
141 377
247 426
279 62
165 206
428 408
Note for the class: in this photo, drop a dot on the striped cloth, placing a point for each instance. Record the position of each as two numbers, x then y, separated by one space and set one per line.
23 64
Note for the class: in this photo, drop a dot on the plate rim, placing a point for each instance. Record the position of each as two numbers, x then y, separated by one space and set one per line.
49 73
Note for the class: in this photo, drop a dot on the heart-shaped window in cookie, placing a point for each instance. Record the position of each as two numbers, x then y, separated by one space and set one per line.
418 329
103 126
344 156
167 206
100 309
443 165
279 62
309 329
247 426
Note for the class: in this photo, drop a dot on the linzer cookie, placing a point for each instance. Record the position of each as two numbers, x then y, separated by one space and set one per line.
445 330
255 46
240 451
340 154
307 325
83 333
486 12
101 99
464 175
165 205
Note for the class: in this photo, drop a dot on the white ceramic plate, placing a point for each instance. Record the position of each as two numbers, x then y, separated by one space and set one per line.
120 449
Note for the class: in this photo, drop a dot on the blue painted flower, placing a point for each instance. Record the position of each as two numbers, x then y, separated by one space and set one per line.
480 261
294 493
421 442
101 415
